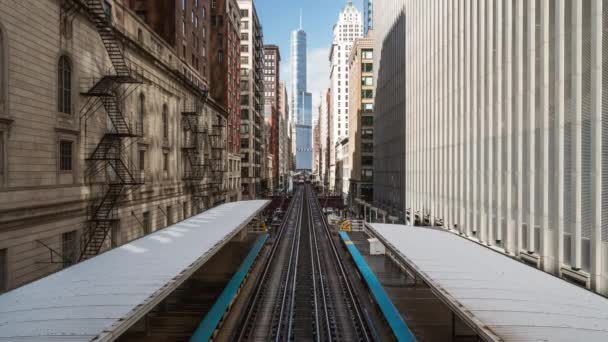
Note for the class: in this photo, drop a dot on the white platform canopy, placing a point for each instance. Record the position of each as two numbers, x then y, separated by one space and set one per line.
103 296
502 298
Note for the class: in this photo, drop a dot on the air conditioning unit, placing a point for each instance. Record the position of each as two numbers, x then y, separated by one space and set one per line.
577 277
530 259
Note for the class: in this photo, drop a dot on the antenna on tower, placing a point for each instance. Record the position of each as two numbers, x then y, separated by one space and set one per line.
300 18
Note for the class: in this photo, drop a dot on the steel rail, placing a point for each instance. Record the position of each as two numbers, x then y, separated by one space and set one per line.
292 302
253 301
320 268
356 306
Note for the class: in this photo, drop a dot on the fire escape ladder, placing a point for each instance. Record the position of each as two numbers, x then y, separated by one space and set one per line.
111 156
192 145
103 23
218 168
102 220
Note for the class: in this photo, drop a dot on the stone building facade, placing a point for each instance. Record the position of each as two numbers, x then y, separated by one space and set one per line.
54 121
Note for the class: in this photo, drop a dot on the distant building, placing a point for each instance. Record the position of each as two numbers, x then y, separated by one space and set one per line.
284 145
368 16
252 99
272 60
348 28
301 101
187 32
361 133
329 151
225 78
316 145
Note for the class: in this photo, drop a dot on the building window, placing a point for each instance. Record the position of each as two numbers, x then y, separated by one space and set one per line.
367 94
141 113
107 7
147 223
165 122
3 270
367 81
2 73
65 155
166 161
68 248
367 160
115 234
367 175
367 54
2 165
142 160
169 215
64 96
140 36
368 107
367 147
367 67
367 120
367 133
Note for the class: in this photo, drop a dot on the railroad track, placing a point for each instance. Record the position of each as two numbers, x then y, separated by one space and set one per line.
303 293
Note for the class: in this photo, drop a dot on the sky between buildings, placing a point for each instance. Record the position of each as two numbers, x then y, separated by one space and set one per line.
280 17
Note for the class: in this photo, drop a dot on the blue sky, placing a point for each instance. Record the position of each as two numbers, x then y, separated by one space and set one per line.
280 17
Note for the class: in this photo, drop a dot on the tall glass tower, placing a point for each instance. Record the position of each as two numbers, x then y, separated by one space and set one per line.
368 15
301 100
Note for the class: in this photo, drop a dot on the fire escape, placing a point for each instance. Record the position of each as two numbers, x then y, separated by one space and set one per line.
110 158
204 149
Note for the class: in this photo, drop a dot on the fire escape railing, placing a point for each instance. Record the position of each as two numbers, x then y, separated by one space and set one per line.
199 149
111 155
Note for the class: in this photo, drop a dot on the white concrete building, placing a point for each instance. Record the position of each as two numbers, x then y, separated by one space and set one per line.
348 28
323 138
503 105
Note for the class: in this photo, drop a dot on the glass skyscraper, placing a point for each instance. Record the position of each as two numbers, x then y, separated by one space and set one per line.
368 15
301 101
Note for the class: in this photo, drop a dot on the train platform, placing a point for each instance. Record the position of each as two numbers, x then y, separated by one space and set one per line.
103 297
209 325
499 298
392 316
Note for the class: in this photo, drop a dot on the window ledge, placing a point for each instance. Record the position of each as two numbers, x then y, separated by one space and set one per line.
5 120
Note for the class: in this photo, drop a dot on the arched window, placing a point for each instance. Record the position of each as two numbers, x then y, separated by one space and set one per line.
64 96
141 112
165 121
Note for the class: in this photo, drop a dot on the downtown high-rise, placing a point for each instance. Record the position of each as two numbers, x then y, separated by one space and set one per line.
301 101
348 28
491 121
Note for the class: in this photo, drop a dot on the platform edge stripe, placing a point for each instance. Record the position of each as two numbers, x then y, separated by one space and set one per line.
400 329
212 319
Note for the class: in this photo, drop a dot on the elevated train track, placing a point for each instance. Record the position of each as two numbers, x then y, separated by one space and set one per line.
304 292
